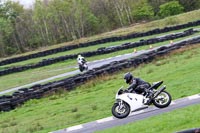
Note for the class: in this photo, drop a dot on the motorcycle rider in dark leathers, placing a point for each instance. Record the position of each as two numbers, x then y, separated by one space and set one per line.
137 85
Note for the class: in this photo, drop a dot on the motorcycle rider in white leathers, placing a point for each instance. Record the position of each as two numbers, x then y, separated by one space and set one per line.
81 60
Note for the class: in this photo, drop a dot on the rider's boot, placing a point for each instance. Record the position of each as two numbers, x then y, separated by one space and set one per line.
149 93
148 96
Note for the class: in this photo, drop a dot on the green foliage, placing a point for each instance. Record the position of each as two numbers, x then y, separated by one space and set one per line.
143 11
85 21
9 11
91 23
170 8
5 32
5 27
155 5
190 5
104 12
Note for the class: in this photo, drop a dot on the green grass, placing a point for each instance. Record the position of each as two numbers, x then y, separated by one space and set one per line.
32 75
169 21
171 122
94 100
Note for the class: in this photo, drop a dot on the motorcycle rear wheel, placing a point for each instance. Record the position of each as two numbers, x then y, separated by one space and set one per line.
120 113
162 100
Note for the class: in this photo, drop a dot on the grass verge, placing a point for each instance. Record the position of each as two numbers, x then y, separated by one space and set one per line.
171 122
29 76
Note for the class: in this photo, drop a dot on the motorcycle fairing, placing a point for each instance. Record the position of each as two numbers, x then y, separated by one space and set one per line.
135 101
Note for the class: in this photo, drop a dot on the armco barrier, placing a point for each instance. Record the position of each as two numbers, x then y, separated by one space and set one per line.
9 102
100 41
99 51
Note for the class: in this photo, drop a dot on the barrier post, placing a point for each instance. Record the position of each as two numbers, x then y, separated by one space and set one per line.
150 46
171 42
135 50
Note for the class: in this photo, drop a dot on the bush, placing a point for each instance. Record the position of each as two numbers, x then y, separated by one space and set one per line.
143 11
170 8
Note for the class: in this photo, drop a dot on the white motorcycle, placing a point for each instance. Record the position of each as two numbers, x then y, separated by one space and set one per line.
83 66
127 102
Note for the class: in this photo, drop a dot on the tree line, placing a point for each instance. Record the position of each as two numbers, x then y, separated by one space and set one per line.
50 22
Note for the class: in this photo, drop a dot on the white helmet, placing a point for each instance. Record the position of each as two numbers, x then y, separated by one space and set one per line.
79 56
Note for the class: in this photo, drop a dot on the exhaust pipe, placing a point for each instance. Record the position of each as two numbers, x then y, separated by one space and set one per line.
159 91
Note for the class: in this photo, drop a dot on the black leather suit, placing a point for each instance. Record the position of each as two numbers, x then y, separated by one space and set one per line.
138 85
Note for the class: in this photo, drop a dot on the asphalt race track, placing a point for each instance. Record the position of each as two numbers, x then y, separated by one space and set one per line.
110 122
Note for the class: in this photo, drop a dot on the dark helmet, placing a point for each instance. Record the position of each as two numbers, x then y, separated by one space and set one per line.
128 77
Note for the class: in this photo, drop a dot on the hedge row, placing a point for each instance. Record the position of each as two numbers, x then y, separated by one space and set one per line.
100 41
9 102
100 51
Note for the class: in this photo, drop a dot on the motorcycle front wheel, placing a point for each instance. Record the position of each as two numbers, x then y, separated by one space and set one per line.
120 112
86 68
81 68
162 100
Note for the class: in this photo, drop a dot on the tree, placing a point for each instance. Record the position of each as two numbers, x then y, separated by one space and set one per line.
190 5
143 10
156 4
123 11
9 11
5 31
82 20
170 8
105 14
